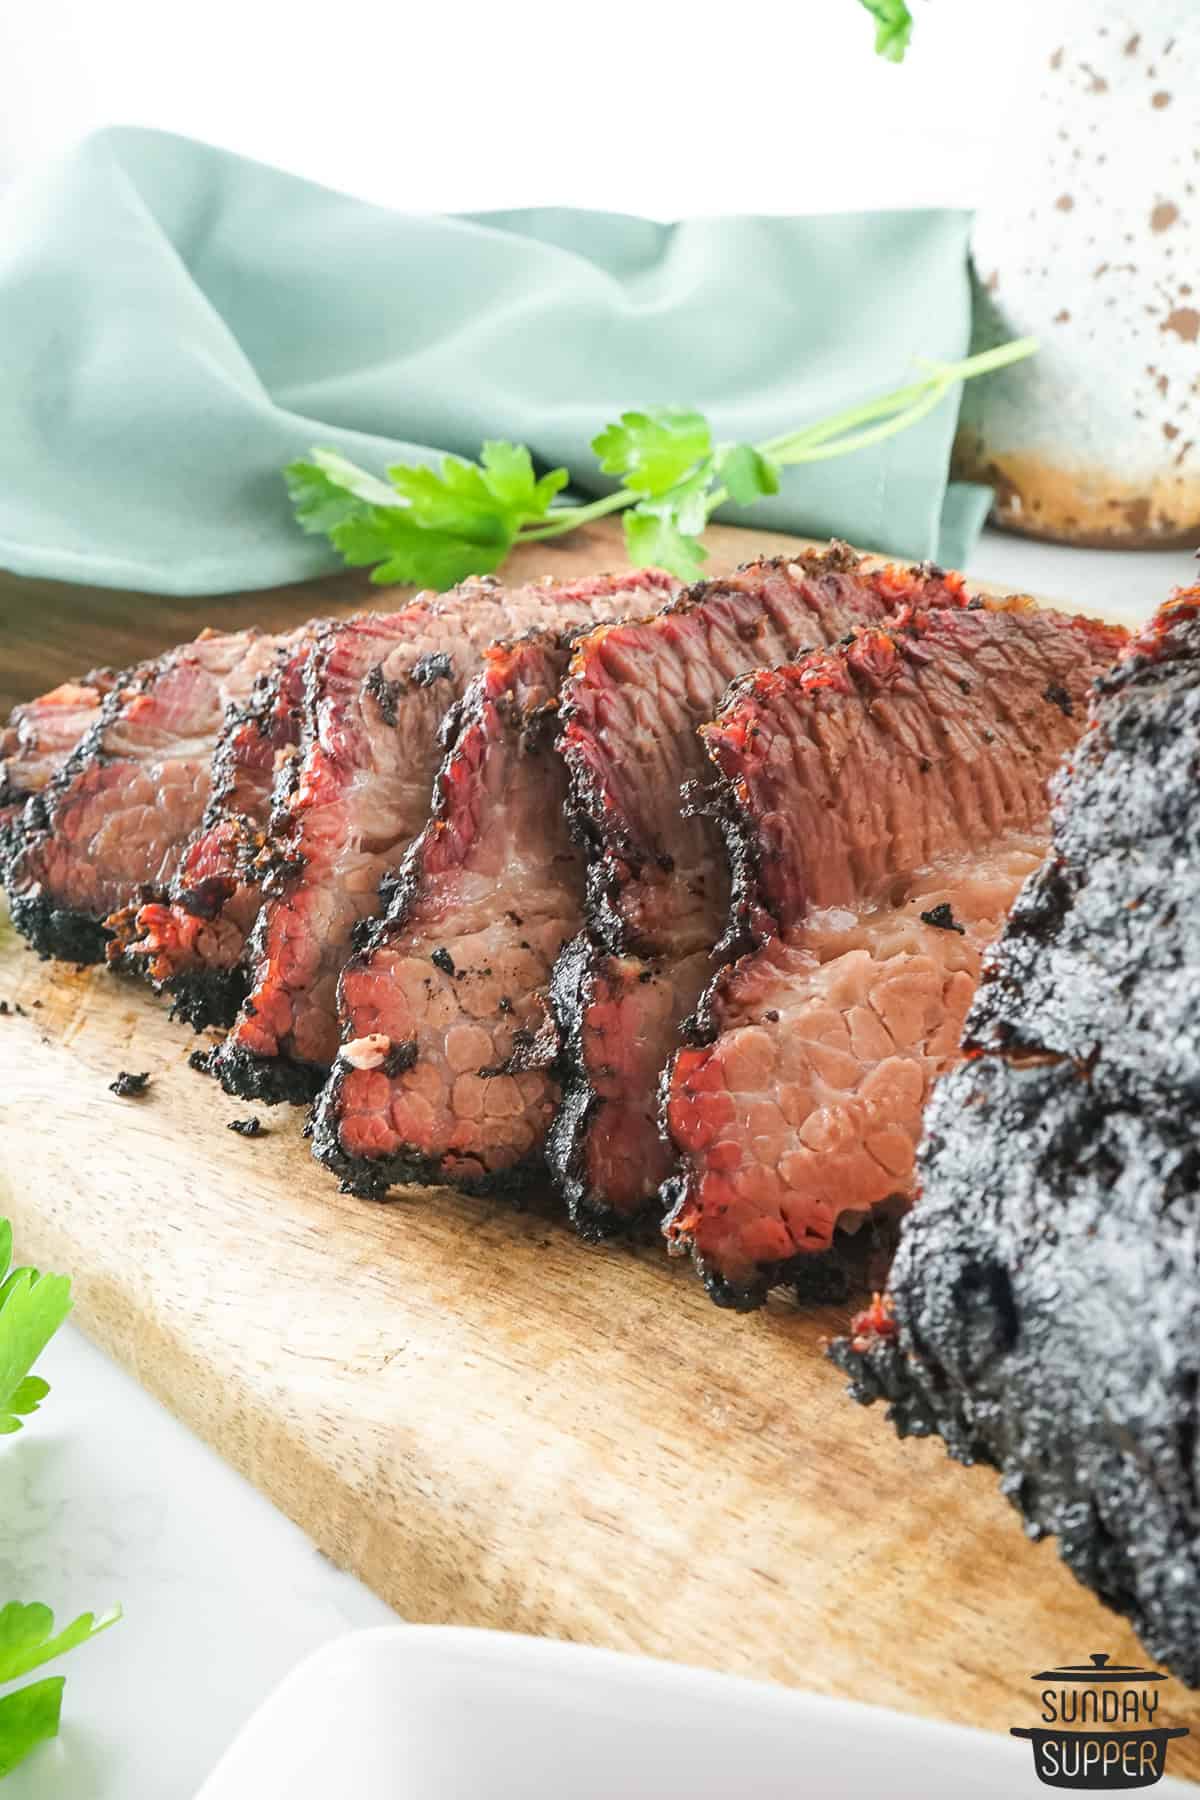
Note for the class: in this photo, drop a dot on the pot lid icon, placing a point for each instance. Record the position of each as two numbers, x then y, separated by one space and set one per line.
1099 1669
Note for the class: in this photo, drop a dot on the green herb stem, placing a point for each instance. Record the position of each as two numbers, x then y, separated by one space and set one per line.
823 449
942 377
568 518
832 437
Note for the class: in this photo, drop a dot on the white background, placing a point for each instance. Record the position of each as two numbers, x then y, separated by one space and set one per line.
664 109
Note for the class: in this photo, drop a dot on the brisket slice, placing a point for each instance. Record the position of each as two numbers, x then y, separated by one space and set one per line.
41 734
884 802
657 879
443 1071
36 742
1044 1310
192 944
114 820
376 690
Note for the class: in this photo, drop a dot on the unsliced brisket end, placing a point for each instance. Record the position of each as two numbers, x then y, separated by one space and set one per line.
446 1068
884 802
192 944
377 688
657 880
114 820
1044 1307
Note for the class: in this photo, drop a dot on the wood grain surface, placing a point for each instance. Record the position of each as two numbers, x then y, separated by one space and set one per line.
489 1422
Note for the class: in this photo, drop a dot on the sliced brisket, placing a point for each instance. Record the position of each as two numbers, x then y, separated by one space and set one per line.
445 1074
39 737
192 944
884 802
657 880
116 817
377 688
1044 1311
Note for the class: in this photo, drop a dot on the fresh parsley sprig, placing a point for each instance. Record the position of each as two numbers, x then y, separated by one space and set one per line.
432 527
427 527
32 1307
893 27
30 1715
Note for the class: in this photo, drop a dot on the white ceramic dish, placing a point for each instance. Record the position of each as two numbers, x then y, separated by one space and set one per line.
439 1713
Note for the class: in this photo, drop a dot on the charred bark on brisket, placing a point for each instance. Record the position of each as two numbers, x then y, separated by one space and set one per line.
57 932
129 1087
1044 1307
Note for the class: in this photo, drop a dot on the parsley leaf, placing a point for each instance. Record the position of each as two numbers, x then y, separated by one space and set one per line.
893 27
429 527
508 475
27 1637
492 498
32 1307
30 1716
343 477
652 451
654 541
418 555
748 474
666 461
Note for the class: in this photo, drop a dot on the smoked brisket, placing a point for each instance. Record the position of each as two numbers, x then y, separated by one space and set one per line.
110 826
192 944
1044 1307
445 1070
657 895
358 792
41 734
884 801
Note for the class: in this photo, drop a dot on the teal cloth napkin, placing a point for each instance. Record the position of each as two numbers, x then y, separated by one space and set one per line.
177 323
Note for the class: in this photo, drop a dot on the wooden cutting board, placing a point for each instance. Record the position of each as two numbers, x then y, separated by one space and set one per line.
489 1422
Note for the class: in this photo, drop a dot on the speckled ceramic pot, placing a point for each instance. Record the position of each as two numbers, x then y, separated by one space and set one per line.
1097 253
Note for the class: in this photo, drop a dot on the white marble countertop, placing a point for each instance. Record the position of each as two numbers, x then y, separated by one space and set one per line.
105 1498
